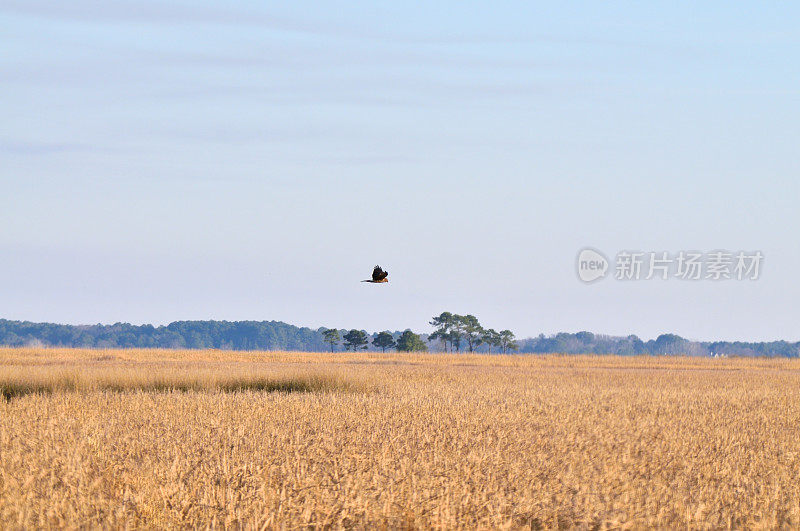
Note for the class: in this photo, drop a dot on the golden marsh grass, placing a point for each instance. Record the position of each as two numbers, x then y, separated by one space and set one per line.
152 438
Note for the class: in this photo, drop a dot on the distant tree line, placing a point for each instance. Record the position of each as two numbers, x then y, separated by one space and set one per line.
240 335
665 344
452 333
406 341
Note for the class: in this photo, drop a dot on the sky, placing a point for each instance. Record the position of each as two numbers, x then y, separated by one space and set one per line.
165 161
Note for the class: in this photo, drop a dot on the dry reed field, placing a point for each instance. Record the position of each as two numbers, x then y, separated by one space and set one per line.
149 438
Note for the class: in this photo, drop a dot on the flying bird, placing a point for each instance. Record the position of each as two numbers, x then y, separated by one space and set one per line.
378 276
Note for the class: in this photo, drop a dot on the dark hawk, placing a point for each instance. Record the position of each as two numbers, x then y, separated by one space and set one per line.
378 276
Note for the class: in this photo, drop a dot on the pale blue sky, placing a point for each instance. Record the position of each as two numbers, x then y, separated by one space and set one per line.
199 160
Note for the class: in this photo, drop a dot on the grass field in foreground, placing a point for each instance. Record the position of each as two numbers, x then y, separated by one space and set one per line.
153 438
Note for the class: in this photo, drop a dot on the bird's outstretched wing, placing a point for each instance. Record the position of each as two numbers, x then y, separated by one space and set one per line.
378 273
